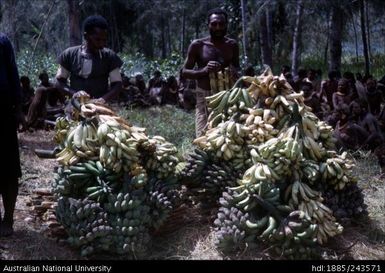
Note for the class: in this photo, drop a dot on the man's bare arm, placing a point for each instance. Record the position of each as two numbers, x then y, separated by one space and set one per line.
116 87
188 68
63 87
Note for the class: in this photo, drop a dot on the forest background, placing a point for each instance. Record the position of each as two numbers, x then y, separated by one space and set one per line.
155 34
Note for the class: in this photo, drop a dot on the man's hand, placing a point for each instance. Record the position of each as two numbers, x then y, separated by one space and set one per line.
213 66
80 94
98 101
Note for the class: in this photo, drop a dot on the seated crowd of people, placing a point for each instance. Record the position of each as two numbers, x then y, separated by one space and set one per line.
158 91
352 104
47 101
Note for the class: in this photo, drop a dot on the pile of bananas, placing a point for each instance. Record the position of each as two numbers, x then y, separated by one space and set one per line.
221 80
286 157
115 185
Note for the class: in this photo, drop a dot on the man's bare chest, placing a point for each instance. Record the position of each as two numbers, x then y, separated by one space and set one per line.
222 54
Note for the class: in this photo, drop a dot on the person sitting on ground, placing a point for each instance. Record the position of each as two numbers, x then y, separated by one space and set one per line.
298 80
342 98
329 87
311 99
125 96
155 85
361 117
332 118
27 91
349 76
170 91
141 84
284 69
46 95
186 89
348 135
374 97
361 88
313 80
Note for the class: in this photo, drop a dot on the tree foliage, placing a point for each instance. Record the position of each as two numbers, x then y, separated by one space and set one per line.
163 29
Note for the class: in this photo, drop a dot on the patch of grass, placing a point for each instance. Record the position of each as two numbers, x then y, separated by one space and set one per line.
174 124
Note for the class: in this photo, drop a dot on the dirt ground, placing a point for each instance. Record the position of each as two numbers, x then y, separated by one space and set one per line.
194 240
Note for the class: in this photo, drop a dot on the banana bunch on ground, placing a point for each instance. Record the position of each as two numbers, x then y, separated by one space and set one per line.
216 178
337 171
164 159
285 153
61 129
229 228
192 172
345 203
294 237
118 184
226 140
221 80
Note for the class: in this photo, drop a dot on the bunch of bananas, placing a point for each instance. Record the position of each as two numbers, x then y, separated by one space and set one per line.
284 152
220 80
345 203
115 184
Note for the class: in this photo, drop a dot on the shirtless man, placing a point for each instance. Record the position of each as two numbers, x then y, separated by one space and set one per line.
210 54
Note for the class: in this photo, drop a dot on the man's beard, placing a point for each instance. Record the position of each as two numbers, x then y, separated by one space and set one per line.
218 34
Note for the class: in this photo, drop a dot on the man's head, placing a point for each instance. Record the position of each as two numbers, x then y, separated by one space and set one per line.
217 23
43 77
302 73
349 76
95 29
355 108
284 69
25 82
307 89
311 74
157 74
371 85
343 86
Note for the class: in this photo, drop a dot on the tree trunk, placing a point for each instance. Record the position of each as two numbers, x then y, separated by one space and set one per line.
115 30
163 38
297 38
169 37
270 32
146 38
244 33
368 28
327 40
264 39
336 39
183 33
73 21
197 29
363 32
355 33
